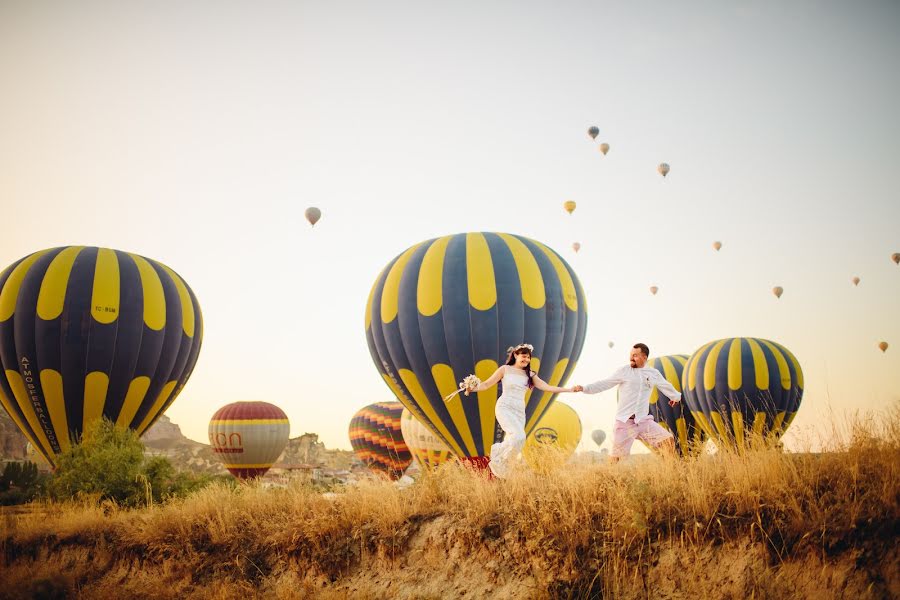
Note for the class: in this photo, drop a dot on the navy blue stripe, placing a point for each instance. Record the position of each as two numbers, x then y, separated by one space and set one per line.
195 344
510 313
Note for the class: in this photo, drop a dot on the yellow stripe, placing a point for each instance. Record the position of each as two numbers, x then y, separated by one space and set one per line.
737 423
788 419
187 307
226 422
51 383
783 371
105 295
760 365
154 297
95 388
786 376
56 279
390 295
681 426
480 275
700 418
565 279
137 389
533 292
692 367
735 372
429 288
720 427
8 405
487 401
670 372
709 369
415 388
10 291
369 301
446 385
17 384
555 377
776 426
157 406
759 423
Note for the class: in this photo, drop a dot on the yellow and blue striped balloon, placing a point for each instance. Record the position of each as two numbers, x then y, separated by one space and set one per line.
90 332
452 306
689 437
743 391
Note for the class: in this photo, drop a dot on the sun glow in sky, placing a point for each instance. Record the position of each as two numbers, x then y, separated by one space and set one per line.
197 134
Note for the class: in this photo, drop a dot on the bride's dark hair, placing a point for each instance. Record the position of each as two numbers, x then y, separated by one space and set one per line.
511 360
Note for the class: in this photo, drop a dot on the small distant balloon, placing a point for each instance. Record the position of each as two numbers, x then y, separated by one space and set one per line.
896 258
883 346
855 280
653 289
611 344
576 246
599 436
593 131
717 246
663 169
604 148
569 205
778 291
313 215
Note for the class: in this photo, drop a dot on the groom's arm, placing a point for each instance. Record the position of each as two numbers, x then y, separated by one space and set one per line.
605 384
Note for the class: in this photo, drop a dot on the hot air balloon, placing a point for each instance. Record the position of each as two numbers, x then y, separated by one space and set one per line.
576 247
778 291
663 169
743 391
248 437
611 344
555 437
313 215
451 306
569 205
604 148
599 436
883 346
855 280
717 246
90 332
377 439
896 258
594 131
653 289
689 437
426 447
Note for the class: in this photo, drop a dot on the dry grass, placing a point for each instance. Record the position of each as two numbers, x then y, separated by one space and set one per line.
762 525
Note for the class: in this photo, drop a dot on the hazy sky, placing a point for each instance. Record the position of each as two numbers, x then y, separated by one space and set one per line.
196 133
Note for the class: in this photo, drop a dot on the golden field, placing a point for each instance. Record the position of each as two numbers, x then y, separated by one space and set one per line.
761 525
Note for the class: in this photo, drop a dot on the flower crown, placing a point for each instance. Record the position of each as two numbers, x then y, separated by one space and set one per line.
512 350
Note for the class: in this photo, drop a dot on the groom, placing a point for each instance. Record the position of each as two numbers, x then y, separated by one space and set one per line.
633 418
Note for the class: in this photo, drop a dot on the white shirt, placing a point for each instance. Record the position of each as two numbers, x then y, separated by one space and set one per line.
634 393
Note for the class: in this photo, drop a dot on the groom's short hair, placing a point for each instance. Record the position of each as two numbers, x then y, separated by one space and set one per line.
643 348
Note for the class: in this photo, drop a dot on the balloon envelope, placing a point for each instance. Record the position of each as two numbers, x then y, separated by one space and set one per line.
611 344
855 281
555 437
896 258
451 306
377 439
599 436
594 131
426 447
689 437
778 291
717 246
883 346
248 437
663 169
743 390
569 205
604 148
90 332
653 289
576 246
312 215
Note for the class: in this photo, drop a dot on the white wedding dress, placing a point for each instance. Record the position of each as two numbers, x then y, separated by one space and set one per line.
510 412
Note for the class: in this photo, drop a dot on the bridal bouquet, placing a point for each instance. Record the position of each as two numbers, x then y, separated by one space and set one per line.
468 384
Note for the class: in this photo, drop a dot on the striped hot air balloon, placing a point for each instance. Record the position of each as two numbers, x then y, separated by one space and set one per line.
689 437
377 439
90 332
426 447
452 306
559 430
743 391
248 437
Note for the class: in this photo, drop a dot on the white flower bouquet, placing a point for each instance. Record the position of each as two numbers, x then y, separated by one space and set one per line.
468 384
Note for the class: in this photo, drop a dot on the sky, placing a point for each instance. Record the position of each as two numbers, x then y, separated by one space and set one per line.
197 133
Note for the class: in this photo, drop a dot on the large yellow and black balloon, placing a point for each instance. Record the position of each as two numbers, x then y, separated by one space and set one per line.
743 391
689 437
90 332
452 306
377 438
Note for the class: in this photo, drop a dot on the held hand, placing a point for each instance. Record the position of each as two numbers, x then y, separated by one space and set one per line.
674 402
578 388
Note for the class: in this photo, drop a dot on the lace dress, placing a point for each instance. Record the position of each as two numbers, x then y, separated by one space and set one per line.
510 412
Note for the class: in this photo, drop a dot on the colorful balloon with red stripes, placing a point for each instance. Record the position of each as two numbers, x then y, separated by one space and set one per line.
377 438
248 437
